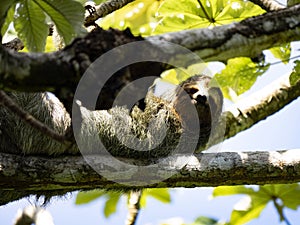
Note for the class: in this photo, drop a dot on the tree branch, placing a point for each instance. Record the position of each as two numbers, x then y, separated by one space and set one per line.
257 107
268 5
16 44
64 68
104 9
32 175
246 38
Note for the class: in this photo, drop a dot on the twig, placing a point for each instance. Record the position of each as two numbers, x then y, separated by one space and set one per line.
279 209
16 44
103 9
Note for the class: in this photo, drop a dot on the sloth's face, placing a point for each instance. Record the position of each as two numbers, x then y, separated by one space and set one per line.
207 99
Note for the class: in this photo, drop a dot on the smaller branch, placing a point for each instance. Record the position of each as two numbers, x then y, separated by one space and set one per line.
33 215
9 103
99 11
134 206
16 44
257 107
264 103
268 5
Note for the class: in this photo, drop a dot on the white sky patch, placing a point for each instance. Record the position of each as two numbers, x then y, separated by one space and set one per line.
141 5
235 5
180 16
207 3
244 204
136 10
142 29
122 23
128 15
152 25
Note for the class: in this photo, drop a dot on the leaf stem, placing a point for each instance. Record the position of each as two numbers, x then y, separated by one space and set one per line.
279 209
205 12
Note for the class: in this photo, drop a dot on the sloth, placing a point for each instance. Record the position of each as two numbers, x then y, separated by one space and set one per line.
18 137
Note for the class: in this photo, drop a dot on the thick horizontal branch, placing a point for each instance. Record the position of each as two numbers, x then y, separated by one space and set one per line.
43 175
246 38
44 72
64 68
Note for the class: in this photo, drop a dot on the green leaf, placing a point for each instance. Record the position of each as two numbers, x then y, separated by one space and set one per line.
238 76
31 26
178 75
5 6
288 193
203 220
99 1
295 75
180 14
67 15
9 19
231 190
252 211
112 199
252 205
50 45
237 10
292 2
176 22
283 52
111 203
138 15
161 194
249 207
88 196
170 76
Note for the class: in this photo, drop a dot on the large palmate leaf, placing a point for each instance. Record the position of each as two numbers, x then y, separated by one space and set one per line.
139 16
176 15
251 206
